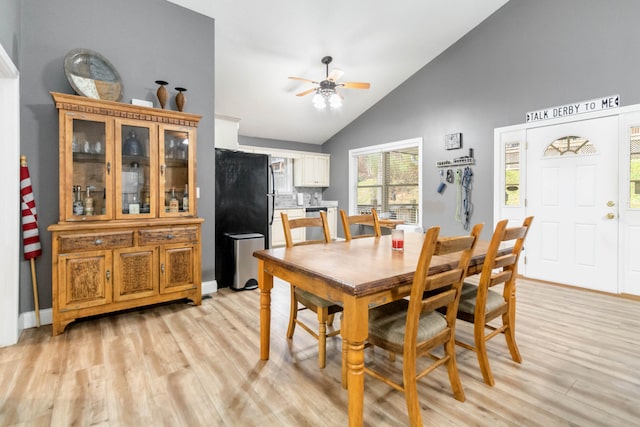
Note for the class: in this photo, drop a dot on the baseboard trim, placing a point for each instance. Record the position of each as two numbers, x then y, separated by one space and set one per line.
27 319
209 287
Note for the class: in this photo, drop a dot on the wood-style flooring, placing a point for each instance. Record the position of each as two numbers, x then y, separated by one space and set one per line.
180 365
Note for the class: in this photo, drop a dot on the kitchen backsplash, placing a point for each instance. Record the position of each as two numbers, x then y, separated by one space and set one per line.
311 197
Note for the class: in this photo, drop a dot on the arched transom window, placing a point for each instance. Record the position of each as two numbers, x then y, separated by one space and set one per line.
569 145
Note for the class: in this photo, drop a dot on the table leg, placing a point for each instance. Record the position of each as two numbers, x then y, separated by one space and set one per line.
265 283
355 328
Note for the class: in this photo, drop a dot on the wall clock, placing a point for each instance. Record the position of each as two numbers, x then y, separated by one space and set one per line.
453 141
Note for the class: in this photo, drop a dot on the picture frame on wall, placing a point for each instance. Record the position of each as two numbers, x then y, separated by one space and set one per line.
453 141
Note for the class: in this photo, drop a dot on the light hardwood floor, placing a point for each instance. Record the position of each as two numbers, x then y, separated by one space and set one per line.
180 365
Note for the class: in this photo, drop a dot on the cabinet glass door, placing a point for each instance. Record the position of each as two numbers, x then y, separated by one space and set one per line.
136 153
176 171
88 180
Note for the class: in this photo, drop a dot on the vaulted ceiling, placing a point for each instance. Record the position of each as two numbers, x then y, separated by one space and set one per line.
259 44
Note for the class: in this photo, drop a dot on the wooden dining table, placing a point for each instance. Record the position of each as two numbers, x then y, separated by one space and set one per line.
360 274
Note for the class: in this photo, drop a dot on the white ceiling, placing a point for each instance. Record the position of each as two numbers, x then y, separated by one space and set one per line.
261 43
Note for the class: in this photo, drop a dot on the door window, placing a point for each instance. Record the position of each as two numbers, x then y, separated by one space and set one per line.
634 172
512 174
569 145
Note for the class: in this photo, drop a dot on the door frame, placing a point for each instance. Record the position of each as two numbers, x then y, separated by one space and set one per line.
516 214
10 225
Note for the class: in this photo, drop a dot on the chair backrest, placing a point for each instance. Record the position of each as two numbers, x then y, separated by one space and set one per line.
290 224
503 268
430 292
364 219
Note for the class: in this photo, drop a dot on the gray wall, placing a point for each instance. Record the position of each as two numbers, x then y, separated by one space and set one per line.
276 143
10 27
145 40
528 55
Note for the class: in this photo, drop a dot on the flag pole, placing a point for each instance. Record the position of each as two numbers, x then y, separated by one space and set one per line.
32 261
34 282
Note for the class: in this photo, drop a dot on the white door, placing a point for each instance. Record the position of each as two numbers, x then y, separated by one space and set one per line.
572 190
630 203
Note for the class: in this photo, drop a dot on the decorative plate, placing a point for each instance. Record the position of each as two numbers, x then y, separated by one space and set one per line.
92 75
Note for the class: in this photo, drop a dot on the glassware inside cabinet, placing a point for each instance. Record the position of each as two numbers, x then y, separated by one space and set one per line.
175 176
135 170
89 176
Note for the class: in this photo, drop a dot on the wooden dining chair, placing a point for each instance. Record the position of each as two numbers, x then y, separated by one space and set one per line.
323 308
414 327
370 219
480 305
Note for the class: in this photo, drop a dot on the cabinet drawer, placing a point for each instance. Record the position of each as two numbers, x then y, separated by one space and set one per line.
168 235
95 241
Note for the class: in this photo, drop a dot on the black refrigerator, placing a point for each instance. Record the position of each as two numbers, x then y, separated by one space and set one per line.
244 204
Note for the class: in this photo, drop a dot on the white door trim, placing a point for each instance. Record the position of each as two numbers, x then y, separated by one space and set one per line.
517 133
10 224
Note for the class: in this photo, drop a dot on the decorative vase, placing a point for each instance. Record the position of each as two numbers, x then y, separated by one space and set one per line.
162 93
132 146
180 98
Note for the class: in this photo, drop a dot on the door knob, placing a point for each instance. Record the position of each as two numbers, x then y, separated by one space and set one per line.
611 203
611 215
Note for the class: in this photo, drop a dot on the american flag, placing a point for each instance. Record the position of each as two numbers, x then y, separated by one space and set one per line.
30 233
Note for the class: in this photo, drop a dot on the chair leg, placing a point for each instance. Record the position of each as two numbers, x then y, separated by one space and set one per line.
509 319
452 369
481 352
411 390
323 314
293 314
330 320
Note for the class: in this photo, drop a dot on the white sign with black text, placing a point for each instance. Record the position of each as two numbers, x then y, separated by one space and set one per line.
605 103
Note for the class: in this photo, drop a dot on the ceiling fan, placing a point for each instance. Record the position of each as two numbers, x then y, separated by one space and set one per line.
326 90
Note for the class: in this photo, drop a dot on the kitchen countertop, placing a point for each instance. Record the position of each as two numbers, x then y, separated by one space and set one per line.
322 203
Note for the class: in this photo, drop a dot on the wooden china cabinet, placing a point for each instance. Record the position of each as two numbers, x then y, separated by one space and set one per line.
128 233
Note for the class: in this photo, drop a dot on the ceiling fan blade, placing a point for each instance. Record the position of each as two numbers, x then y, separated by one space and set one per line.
306 92
303 80
335 75
355 85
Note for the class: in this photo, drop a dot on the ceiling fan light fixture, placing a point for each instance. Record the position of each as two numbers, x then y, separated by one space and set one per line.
335 101
326 93
318 101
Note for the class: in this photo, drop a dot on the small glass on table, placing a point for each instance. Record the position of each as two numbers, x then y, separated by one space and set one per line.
397 240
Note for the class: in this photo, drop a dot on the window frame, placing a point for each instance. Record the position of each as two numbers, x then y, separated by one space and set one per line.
373 149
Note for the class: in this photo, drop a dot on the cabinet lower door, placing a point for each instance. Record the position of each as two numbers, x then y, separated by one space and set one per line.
178 267
84 280
136 273
277 232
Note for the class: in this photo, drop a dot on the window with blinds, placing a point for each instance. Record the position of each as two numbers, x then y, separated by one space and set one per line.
387 178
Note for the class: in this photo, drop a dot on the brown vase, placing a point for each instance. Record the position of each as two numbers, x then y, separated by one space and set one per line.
180 98
162 93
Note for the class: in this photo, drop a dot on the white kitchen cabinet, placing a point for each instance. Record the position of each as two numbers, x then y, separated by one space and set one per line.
332 218
277 232
311 170
226 132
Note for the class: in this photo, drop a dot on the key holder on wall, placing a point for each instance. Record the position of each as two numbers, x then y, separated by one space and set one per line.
458 171
458 161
